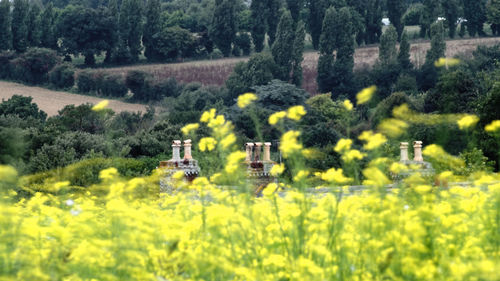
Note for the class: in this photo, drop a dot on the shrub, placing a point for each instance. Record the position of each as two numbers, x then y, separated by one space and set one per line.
112 85
165 88
413 15
62 76
6 67
33 66
85 82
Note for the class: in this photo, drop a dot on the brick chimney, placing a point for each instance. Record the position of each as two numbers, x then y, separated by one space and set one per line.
267 152
404 151
187 150
176 150
257 152
417 146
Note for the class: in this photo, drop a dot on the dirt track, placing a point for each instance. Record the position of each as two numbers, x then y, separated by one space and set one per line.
52 101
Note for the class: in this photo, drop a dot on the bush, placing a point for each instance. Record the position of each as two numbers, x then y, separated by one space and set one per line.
136 82
112 85
33 66
85 82
165 88
413 15
62 76
6 67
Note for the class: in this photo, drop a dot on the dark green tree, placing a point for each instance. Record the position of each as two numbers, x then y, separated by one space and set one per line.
152 27
5 29
282 48
172 43
135 29
451 9
344 64
327 44
258 19
19 25
493 15
317 9
404 53
475 13
295 6
297 54
429 15
223 29
273 17
122 52
23 107
113 14
395 11
33 25
387 49
438 44
373 21
48 38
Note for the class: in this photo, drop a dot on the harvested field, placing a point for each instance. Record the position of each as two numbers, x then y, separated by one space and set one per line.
53 101
215 72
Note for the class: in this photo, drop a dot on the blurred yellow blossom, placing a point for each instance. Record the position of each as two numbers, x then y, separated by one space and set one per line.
277 169
289 143
365 95
493 127
270 189
207 144
372 140
373 176
335 176
301 175
179 175
8 173
190 127
228 140
467 122
353 154
233 161
101 105
392 127
246 99
446 62
208 115
342 145
348 105
397 168
108 174
296 112
276 117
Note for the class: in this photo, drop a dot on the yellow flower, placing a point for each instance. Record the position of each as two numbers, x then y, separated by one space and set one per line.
365 95
7 173
301 175
393 127
276 117
217 121
397 168
289 143
246 99
446 62
208 115
375 177
277 170
179 175
348 105
100 106
335 175
228 141
493 127
207 144
352 155
190 127
270 189
342 145
233 161
296 112
108 174
467 121
372 140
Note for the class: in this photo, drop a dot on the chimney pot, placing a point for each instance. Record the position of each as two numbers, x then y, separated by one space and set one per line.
417 146
176 150
404 151
187 150
249 150
258 146
267 152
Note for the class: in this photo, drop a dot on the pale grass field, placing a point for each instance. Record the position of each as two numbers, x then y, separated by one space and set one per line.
216 72
52 101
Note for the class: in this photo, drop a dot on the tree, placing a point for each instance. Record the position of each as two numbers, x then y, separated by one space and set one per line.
438 45
451 10
152 27
404 53
5 29
475 13
295 6
33 25
172 43
48 38
86 31
223 29
395 11
19 25
317 9
23 107
122 52
387 49
327 44
113 15
297 54
342 69
493 15
135 29
373 21
283 46
273 11
429 15
258 9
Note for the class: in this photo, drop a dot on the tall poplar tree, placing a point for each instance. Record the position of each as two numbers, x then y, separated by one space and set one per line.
451 9
282 48
19 25
317 9
430 15
387 49
152 27
223 29
295 6
438 44
258 18
122 52
298 54
135 29
48 38
33 25
5 29
404 53
327 44
342 68
493 15
395 11
113 14
273 17
475 13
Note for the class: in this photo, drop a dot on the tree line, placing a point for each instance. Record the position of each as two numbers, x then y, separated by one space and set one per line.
124 30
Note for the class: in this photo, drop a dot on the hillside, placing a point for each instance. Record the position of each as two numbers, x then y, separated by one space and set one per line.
215 72
52 101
